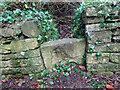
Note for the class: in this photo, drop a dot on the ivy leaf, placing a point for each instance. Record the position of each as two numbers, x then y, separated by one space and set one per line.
100 12
55 65
69 69
88 75
26 6
68 62
76 69
54 69
101 25
51 83
94 84
41 86
81 73
105 7
33 4
39 37
98 54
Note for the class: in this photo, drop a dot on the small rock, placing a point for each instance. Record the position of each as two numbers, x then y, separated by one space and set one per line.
30 29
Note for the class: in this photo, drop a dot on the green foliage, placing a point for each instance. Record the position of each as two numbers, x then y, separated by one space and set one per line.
76 69
51 83
98 54
91 49
68 62
78 23
94 84
81 73
72 64
44 21
88 75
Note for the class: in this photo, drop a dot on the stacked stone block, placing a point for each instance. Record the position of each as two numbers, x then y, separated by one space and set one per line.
21 54
20 50
108 46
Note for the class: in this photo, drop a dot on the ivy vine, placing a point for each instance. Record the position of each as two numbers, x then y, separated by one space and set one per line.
42 18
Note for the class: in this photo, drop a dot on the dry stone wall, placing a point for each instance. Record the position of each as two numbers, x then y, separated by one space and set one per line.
21 54
102 40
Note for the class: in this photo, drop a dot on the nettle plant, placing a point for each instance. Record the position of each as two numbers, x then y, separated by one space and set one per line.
42 18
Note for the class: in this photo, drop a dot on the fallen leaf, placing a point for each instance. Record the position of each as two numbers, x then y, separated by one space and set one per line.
82 68
110 87
38 85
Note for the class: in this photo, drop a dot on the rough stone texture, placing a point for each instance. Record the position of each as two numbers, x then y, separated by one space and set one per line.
5 49
116 32
22 62
106 73
22 70
30 29
104 36
116 38
24 45
109 44
115 57
11 31
108 47
96 27
93 20
110 67
5 41
22 55
91 11
65 49
92 59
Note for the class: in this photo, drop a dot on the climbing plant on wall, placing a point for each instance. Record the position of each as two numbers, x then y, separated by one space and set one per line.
109 12
42 18
78 23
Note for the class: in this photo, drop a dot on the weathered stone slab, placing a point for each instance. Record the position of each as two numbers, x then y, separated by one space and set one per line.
109 67
97 11
5 41
5 49
29 54
22 55
117 32
112 67
95 67
24 45
22 62
64 49
30 29
115 57
93 20
92 59
31 70
11 31
108 47
104 36
22 70
106 73
17 76
91 11
97 27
